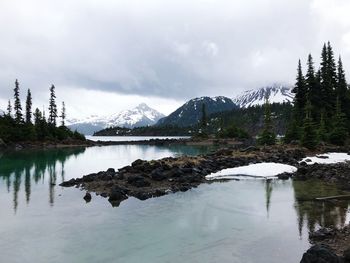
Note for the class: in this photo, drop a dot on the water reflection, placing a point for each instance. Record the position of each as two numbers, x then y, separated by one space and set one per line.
32 166
314 214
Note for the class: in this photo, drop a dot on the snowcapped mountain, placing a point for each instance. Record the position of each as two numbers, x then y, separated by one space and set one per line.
191 112
275 93
2 112
142 115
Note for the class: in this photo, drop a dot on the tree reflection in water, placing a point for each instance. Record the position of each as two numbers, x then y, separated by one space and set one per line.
31 167
314 214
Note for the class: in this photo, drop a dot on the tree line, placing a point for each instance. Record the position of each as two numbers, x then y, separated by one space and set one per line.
16 125
321 112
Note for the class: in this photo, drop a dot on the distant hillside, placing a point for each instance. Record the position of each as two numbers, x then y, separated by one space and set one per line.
275 94
251 118
191 112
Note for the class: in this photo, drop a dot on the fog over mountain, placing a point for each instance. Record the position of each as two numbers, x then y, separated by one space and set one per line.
108 53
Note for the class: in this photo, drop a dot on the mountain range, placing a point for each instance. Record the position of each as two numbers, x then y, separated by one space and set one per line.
142 115
188 114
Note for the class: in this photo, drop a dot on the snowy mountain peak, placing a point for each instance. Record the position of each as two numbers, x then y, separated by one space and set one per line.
141 115
275 94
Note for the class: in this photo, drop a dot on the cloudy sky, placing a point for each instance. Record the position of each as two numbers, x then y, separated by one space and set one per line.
107 55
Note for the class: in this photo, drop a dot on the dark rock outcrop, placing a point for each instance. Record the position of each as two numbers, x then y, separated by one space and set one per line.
320 254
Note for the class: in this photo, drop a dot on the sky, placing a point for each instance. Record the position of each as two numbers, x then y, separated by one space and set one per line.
104 56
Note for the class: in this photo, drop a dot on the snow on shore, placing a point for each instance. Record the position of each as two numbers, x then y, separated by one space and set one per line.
328 158
258 170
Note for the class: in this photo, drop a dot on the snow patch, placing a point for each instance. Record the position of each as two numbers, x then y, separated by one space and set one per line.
327 158
258 170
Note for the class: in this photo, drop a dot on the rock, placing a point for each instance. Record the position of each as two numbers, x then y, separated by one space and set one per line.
68 183
308 160
320 254
87 197
346 255
284 176
158 175
322 233
138 162
111 171
117 194
138 181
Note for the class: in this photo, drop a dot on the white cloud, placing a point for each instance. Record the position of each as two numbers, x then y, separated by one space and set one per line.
170 49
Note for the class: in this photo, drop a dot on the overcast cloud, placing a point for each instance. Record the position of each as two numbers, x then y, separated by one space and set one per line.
108 55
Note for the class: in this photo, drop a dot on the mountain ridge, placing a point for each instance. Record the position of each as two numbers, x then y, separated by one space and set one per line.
141 115
190 113
276 93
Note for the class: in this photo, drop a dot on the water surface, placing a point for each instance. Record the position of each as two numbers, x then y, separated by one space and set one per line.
236 221
132 138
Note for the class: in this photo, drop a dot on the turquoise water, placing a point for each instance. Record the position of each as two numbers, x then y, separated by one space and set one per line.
236 221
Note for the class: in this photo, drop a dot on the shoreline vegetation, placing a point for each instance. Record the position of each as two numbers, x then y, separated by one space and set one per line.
34 128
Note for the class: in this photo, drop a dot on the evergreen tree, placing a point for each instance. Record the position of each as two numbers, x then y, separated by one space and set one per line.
309 135
29 107
312 87
322 131
267 137
204 116
328 81
332 69
63 114
293 130
9 109
17 104
342 89
339 132
37 117
300 91
52 106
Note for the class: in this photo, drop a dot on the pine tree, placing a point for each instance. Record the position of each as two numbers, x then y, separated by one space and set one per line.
322 131
309 135
17 104
293 130
332 69
9 109
63 114
37 117
342 90
328 81
312 87
300 91
29 107
52 106
267 137
339 132
204 116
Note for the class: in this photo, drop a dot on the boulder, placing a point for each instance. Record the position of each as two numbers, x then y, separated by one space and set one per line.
87 197
138 181
320 254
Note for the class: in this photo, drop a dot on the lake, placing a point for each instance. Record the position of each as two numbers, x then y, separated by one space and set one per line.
236 221
132 138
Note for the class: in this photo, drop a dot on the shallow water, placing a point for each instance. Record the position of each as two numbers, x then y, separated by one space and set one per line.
236 221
